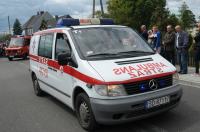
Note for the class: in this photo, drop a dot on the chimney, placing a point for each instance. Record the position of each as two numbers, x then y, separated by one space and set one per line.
42 12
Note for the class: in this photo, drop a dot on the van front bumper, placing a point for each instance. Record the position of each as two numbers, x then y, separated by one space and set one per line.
132 108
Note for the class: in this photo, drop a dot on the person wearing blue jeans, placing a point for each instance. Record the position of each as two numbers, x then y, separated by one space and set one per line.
181 41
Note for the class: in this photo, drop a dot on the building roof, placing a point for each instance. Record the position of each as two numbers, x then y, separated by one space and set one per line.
38 18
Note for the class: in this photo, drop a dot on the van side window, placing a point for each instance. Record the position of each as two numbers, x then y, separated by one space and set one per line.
45 46
62 44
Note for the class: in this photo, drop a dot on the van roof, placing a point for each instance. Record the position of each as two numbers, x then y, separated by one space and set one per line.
60 30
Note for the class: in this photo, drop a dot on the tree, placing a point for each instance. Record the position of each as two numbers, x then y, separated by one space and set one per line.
98 14
5 37
43 25
187 17
17 28
121 11
172 19
135 13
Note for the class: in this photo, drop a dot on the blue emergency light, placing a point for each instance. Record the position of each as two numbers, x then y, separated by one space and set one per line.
106 21
67 22
142 87
162 83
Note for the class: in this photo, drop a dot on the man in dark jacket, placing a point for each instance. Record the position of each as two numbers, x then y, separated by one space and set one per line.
197 50
181 41
144 32
169 45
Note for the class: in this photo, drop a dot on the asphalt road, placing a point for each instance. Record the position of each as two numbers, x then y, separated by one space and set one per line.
22 111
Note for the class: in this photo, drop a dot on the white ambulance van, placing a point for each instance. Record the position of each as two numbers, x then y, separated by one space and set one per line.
106 73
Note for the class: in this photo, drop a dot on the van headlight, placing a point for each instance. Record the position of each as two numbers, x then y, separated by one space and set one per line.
110 90
175 78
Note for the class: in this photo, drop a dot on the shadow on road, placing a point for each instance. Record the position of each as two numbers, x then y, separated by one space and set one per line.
173 121
178 119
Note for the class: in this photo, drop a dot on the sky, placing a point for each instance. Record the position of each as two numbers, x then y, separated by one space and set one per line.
24 9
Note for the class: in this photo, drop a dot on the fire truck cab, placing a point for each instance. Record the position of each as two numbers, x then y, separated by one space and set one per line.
18 47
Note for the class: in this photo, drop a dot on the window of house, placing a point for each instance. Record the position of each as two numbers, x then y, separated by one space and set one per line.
62 44
45 46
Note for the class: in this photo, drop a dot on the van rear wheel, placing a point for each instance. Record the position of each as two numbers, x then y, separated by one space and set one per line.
36 86
25 56
84 112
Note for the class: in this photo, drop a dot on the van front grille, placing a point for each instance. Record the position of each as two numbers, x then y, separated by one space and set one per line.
144 86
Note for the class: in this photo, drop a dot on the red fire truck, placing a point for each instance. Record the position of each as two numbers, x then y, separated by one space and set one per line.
18 47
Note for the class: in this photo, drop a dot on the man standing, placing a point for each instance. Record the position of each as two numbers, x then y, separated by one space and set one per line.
144 32
169 45
182 49
157 39
197 50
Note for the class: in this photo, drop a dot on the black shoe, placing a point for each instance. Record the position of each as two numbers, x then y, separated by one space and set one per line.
180 72
183 73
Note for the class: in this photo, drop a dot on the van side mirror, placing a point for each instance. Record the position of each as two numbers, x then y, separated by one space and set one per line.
64 58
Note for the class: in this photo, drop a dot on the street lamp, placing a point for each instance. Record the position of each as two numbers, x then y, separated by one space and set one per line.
93 10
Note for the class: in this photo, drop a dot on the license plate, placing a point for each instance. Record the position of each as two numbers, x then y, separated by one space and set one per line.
157 102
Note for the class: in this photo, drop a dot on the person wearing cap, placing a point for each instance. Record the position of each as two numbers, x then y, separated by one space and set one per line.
181 41
197 50
144 32
169 44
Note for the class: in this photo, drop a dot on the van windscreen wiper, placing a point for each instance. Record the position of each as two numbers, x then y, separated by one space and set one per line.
131 52
101 54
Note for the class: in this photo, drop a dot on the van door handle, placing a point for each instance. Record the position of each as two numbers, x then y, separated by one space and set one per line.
54 70
50 68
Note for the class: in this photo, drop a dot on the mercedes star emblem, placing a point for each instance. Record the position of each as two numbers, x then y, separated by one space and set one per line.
153 85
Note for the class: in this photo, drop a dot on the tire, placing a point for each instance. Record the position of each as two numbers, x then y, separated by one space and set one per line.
25 57
10 58
84 112
36 86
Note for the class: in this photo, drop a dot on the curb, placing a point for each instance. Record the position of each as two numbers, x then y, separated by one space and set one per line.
183 82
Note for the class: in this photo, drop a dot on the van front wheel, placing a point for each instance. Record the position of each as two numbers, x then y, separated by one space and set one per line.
36 86
84 112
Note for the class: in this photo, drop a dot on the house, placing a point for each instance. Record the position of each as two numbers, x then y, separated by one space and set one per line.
33 24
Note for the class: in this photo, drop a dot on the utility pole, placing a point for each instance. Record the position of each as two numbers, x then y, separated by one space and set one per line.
93 11
9 24
102 11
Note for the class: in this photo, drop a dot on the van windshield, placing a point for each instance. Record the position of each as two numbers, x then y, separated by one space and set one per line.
110 42
16 42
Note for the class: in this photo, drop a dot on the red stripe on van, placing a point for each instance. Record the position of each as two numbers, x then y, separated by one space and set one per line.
34 57
90 80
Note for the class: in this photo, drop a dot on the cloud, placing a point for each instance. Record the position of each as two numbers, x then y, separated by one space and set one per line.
24 9
193 5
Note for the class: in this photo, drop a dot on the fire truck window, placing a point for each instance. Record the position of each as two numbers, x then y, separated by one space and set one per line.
27 42
45 46
62 44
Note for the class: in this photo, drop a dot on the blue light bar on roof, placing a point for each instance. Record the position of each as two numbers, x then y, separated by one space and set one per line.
106 21
67 22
